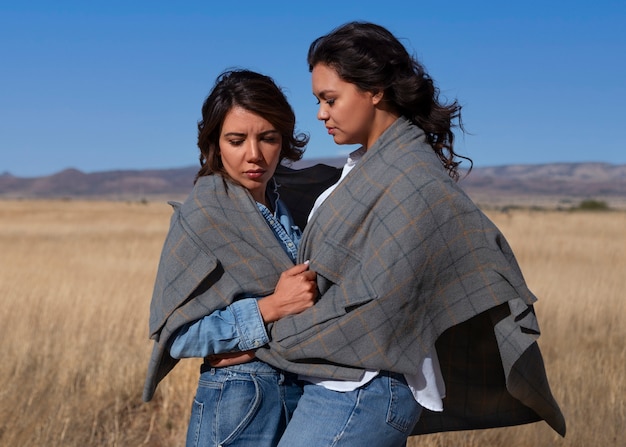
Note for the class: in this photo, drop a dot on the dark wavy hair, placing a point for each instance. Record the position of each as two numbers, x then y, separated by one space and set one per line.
373 59
256 93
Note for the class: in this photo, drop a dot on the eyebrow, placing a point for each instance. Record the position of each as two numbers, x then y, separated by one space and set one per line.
323 93
242 134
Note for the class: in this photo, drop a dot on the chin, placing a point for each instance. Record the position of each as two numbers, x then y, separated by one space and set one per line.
339 140
344 139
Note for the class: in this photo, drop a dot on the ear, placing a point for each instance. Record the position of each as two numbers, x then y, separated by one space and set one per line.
377 97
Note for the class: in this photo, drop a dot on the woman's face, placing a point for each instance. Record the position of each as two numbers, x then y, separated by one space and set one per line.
348 113
250 150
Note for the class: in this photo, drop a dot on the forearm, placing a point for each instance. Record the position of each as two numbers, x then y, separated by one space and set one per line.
238 327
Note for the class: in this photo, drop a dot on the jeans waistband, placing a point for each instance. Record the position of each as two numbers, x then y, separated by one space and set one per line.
255 366
398 376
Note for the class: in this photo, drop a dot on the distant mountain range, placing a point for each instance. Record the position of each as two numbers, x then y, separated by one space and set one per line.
541 184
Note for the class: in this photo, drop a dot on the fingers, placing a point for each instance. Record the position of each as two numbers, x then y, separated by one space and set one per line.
298 269
309 275
295 292
303 270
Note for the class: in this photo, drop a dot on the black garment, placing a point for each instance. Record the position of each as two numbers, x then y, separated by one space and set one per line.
299 188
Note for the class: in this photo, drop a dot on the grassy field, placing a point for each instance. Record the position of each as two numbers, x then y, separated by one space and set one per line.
76 282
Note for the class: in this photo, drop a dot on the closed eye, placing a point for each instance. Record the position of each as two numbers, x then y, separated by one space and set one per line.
272 136
329 101
270 139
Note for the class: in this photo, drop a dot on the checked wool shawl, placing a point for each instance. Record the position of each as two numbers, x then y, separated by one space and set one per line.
219 247
405 261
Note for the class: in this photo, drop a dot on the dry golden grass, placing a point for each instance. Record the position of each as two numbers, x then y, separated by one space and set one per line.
76 284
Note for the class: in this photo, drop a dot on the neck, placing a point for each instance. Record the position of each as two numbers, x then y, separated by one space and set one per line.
383 120
261 195
261 199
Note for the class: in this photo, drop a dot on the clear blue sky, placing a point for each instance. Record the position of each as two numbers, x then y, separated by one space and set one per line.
100 85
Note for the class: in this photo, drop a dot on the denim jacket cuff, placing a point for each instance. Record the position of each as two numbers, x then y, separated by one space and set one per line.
249 323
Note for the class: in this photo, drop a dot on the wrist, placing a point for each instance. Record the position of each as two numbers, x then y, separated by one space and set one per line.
268 313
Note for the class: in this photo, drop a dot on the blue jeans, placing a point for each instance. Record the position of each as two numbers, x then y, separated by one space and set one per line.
381 413
242 405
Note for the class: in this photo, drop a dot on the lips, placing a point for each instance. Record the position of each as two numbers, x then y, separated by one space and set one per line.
255 173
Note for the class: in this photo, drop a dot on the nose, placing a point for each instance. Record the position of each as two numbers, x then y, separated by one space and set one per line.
253 152
322 113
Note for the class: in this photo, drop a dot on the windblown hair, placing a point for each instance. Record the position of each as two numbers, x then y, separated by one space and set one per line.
256 93
373 59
